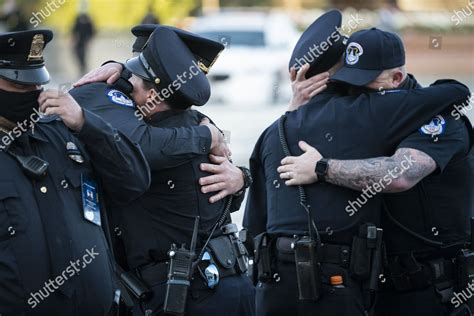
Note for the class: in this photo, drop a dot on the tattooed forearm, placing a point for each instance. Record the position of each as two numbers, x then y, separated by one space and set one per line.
392 174
358 174
422 166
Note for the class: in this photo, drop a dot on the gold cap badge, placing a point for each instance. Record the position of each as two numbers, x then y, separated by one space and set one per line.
203 67
37 45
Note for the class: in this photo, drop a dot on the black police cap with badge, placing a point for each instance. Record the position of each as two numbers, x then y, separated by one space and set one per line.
323 32
142 33
368 54
21 56
171 55
205 51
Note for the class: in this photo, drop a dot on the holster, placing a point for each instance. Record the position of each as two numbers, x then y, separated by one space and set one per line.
225 255
241 254
407 273
366 264
263 258
363 247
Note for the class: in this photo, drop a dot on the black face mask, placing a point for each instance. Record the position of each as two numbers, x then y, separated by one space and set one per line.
18 106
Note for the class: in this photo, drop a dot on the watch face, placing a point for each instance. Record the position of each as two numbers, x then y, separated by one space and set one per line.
322 167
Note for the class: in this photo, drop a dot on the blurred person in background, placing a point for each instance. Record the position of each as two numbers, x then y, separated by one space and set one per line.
387 17
333 270
150 17
55 158
13 17
82 33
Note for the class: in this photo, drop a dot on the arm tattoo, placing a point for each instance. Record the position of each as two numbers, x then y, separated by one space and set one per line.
407 166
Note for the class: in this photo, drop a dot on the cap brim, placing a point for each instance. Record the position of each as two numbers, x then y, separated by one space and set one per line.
356 77
136 67
34 76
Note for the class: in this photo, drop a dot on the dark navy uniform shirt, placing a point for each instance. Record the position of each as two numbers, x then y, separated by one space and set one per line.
349 127
42 224
174 146
166 213
163 147
439 207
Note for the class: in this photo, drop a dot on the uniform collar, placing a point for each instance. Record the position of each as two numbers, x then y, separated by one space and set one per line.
409 83
10 131
6 127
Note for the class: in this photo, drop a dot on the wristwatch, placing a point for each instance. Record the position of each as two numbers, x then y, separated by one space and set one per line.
248 180
321 169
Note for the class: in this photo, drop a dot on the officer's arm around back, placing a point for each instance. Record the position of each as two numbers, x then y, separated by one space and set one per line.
119 162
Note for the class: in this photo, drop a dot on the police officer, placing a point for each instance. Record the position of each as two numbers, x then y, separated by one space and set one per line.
328 262
53 250
226 179
427 227
166 214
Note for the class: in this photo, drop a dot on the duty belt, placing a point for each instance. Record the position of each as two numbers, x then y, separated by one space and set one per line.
157 273
406 273
328 253
219 252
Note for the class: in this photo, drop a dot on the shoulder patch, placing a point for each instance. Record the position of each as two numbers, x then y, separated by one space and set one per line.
120 98
435 127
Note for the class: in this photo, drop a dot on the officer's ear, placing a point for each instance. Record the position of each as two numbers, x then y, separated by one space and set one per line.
152 94
397 77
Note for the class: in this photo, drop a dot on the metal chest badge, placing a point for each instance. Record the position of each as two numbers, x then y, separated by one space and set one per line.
74 153
90 200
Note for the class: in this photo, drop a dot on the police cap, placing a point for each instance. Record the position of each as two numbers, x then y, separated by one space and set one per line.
205 53
21 56
142 33
368 54
177 61
321 45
